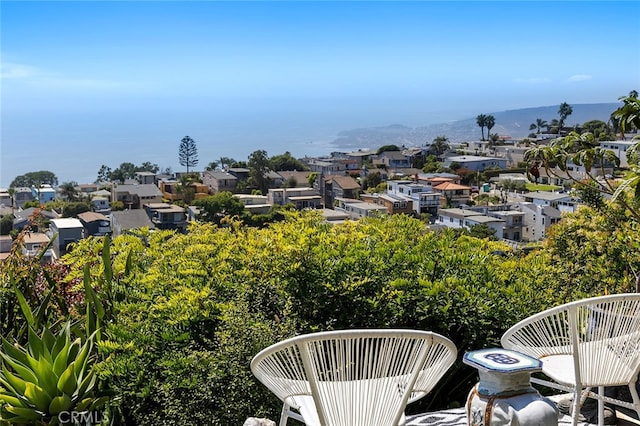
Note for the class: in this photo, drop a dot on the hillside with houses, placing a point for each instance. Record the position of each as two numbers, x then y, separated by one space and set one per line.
475 184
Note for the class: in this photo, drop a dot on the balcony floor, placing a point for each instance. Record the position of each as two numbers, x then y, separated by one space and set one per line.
458 417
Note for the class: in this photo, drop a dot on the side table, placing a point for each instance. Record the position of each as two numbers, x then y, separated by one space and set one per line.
504 395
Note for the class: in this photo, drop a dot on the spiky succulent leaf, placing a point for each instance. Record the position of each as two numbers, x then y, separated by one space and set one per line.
15 352
12 400
60 403
67 382
35 345
37 396
15 383
24 415
60 363
46 380
21 370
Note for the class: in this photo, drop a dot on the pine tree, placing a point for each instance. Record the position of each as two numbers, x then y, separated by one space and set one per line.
188 153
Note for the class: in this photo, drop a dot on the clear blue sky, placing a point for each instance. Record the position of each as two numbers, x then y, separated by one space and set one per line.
125 73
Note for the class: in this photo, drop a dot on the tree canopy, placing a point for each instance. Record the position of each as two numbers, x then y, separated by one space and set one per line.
286 162
124 171
42 177
385 148
259 168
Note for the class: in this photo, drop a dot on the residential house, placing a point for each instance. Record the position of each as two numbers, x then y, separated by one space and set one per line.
476 163
43 193
220 181
565 203
393 160
619 148
5 198
538 218
145 178
395 204
336 186
573 173
351 165
88 188
124 221
326 166
36 218
361 156
357 209
464 218
100 204
34 242
298 179
64 232
513 223
334 216
453 195
275 179
134 196
95 224
21 195
241 173
174 191
255 204
301 198
5 246
167 216
512 154
435 179
424 198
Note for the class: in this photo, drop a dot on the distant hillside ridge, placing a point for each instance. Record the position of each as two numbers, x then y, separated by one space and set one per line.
514 123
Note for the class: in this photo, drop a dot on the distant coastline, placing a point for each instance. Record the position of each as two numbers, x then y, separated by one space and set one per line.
78 157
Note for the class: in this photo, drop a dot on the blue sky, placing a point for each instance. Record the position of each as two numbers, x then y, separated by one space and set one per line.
236 75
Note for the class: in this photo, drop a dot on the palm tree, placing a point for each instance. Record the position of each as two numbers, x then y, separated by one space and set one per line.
481 119
490 121
539 124
564 111
69 191
628 115
439 146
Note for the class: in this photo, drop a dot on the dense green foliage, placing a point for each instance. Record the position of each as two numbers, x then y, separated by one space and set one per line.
195 308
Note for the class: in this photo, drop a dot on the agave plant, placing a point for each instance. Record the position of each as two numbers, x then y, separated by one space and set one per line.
49 375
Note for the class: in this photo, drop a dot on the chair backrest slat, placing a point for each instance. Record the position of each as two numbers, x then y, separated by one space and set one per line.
356 377
601 333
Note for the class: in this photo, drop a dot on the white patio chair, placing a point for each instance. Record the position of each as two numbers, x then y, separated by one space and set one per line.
353 377
584 344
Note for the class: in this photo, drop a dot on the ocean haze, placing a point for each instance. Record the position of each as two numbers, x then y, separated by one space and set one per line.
75 145
74 150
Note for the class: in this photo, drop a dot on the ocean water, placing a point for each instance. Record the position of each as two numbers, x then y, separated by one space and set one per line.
73 142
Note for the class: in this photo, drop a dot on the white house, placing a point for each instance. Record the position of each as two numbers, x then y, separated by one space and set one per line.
619 148
476 163
463 218
65 231
538 218
423 197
